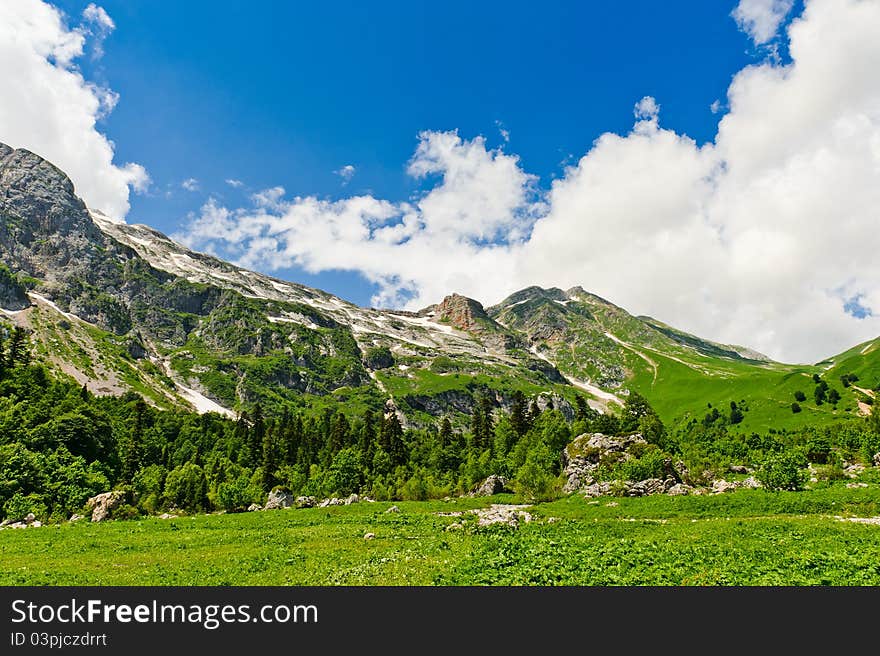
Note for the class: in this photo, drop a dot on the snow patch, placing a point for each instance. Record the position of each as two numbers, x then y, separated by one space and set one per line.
51 304
203 404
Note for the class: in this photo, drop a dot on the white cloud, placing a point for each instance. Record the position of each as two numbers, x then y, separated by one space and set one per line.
190 184
762 237
346 173
236 184
97 24
49 108
760 19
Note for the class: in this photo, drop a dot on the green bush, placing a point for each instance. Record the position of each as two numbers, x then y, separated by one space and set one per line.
782 471
345 472
186 487
534 480
20 505
235 496
650 465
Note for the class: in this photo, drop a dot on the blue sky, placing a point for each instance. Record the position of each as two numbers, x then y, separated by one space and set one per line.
286 93
715 165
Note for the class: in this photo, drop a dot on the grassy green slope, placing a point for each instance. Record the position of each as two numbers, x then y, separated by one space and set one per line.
744 538
682 375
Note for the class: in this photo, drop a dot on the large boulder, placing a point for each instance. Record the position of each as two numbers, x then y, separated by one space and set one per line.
650 486
876 459
279 499
103 505
306 502
597 490
584 454
494 484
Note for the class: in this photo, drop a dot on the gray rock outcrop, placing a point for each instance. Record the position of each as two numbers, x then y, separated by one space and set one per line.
102 505
278 500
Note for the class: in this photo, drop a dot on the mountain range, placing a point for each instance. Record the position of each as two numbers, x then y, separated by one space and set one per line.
121 307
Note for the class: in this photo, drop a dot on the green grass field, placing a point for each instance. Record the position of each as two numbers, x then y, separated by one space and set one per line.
743 538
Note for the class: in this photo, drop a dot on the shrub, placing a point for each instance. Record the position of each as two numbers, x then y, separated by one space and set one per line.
416 488
800 397
534 481
20 505
345 472
186 487
235 496
782 472
795 407
650 465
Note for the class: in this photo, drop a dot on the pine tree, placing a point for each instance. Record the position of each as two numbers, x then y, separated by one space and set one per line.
269 461
478 427
18 353
445 436
339 434
367 436
292 435
256 435
391 439
519 414
132 446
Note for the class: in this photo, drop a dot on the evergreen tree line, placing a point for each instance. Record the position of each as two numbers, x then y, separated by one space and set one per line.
60 445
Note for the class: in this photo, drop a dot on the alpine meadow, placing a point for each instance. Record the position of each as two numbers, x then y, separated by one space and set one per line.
172 414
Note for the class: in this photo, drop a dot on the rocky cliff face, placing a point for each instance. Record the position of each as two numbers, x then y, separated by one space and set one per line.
464 313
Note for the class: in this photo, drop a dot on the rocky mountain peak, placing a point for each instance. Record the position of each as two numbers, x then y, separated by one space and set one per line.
462 312
39 197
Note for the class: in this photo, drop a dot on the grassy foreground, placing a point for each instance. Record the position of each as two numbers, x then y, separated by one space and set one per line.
743 538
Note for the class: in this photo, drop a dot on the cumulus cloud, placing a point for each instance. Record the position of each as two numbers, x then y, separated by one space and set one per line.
235 184
760 19
48 107
346 173
97 24
190 184
766 236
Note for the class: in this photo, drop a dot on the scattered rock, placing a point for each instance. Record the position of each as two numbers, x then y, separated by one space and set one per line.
502 513
75 518
254 507
279 499
305 502
861 520
36 523
455 527
721 486
679 490
750 483
738 469
352 499
553 520
876 459
494 484
597 490
30 518
104 504
853 486
331 502
852 471
369 536
611 504
167 516
392 509
649 486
